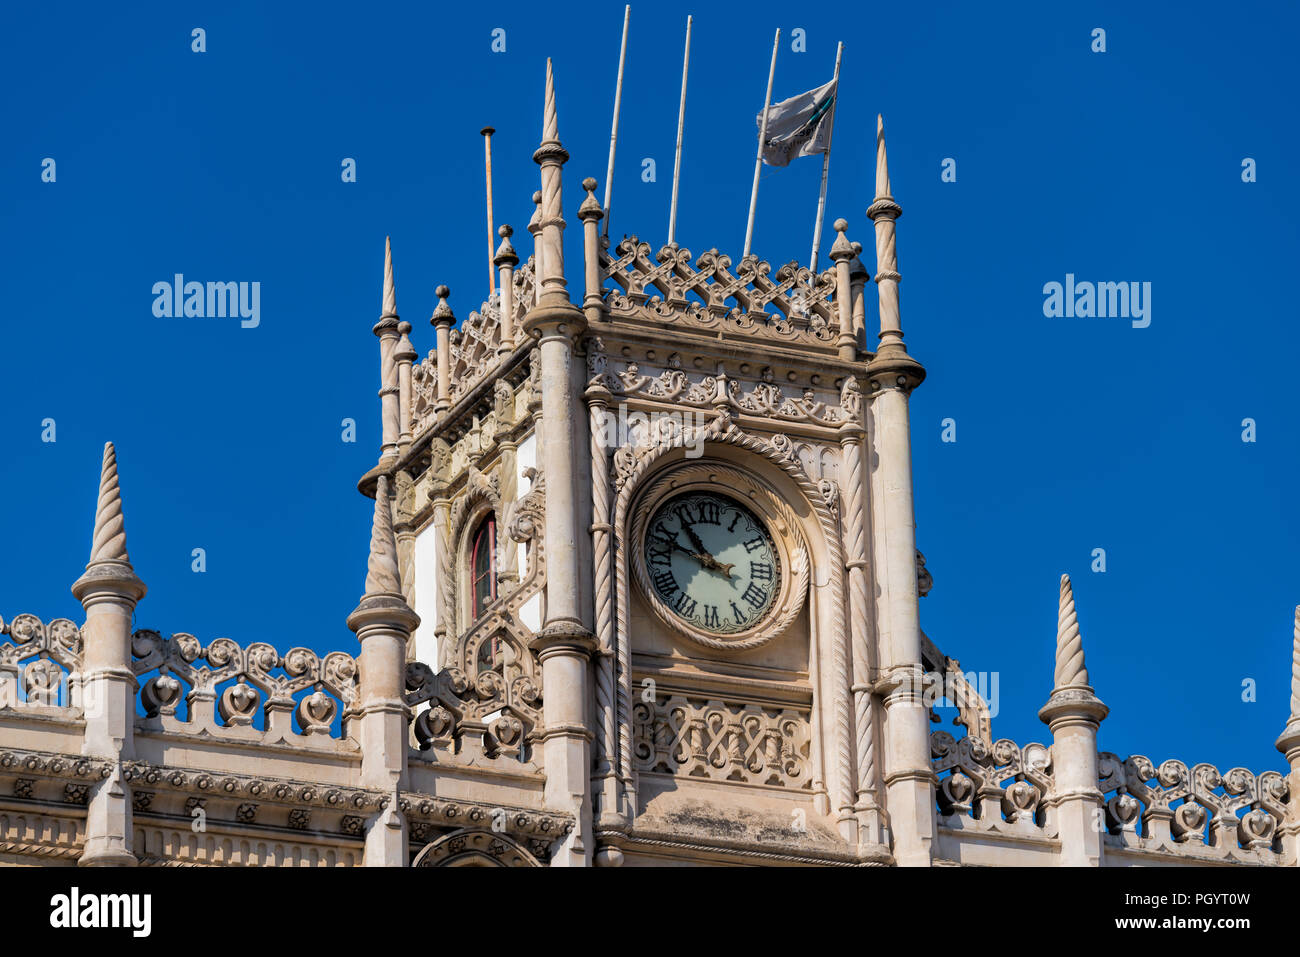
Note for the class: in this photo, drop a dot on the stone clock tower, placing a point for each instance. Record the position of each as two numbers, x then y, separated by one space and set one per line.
642 589
662 544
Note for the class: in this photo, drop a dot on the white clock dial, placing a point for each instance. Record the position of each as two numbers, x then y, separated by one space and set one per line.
712 562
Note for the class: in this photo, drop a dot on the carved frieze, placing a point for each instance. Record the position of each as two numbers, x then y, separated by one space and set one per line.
719 740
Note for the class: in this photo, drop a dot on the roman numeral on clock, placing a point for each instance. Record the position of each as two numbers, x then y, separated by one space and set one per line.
711 616
665 582
761 570
738 614
685 605
710 513
661 555
754 543
755 596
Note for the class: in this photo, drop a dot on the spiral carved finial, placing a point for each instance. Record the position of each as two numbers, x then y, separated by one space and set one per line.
882 161
109 544
382 576
1295 668
551 121
1070 666
390 288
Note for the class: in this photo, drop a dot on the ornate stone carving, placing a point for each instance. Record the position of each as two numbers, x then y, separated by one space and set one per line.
778 515
182 658
836 685
36 658
474 848
723 741
1192 810
701 298
991 787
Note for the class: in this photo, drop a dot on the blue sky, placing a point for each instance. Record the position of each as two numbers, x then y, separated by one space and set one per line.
1072 434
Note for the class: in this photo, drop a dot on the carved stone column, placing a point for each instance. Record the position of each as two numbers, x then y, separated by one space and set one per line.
563 645
383 623
404 529
1289 744
909 778
841 254
404 355
1074 714
854 481
109 591
858 278
508 554
444 626
442 320
505 260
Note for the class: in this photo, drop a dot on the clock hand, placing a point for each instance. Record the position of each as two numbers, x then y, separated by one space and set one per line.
695 539
673 543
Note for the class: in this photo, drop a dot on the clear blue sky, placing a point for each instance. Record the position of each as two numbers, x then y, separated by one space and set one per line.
1073 434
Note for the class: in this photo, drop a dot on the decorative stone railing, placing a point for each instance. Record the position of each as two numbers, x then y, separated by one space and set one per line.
494 716
722 741
40 665
710 297
225 680
991 787
1192 811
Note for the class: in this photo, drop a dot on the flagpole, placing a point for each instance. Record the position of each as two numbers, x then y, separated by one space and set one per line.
486 133
762 135
613 133
826 165
681 119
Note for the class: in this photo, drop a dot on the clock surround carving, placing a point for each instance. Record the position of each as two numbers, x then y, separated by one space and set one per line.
782 526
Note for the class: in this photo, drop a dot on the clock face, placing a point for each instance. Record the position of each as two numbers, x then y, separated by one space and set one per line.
712 562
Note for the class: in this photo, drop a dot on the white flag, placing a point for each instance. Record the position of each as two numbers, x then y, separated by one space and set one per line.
799 126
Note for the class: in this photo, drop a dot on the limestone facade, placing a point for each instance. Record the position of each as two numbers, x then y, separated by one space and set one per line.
530 685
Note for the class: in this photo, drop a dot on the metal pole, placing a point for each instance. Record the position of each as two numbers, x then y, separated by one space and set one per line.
613 133
762 138
486 133
826 165
681 119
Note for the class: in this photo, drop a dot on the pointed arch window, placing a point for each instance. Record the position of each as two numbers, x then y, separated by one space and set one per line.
483 565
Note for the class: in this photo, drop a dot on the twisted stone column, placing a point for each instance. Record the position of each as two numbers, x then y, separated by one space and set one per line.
852 433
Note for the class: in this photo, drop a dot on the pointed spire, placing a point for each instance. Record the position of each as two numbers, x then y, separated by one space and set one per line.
1289 742
1072 697
109 569
882 161
1295 669
382 575
551 116
551 157
109 542
1070 666
390 287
